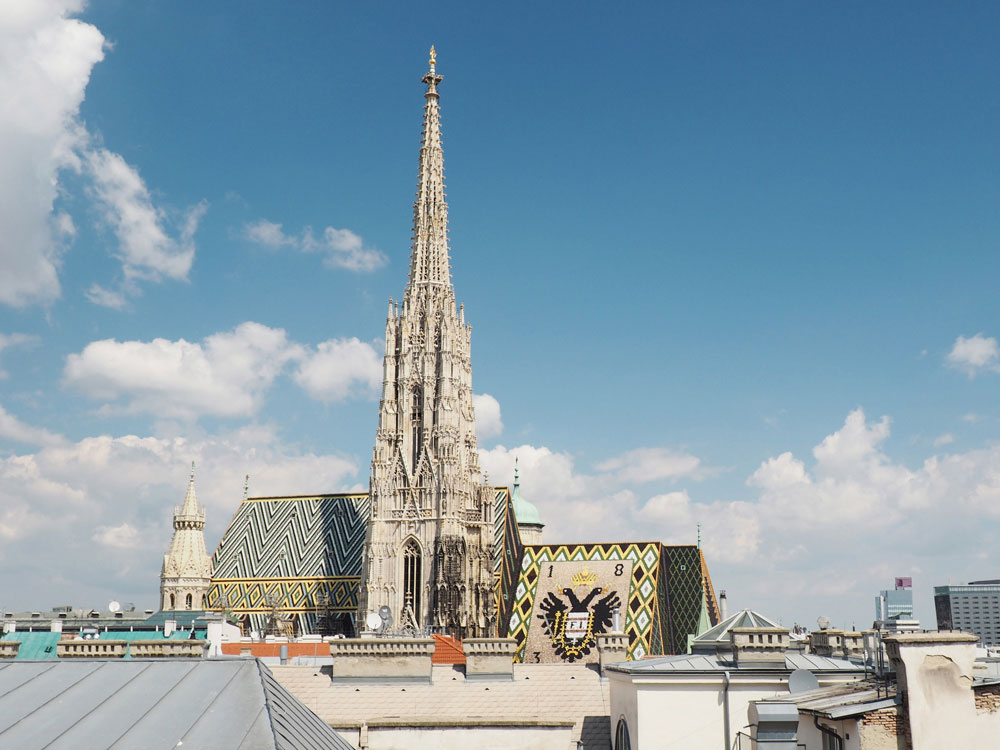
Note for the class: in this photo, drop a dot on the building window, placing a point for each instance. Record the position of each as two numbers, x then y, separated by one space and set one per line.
172 605
188 601
621 736
411 577
417 424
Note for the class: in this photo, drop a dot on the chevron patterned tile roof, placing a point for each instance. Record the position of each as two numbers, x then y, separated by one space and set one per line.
302 554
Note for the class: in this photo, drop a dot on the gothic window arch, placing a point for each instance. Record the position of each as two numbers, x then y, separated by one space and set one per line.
172 604
621 736
412 562
188 601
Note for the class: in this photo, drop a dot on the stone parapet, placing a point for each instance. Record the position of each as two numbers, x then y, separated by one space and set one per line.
167 649
759 647
382 658
91 649
837 644
489 658
612 648
8 649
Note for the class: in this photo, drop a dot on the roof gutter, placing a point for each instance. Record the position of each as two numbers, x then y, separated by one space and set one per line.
725 709
838 741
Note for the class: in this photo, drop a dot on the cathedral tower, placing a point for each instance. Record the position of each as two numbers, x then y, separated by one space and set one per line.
428 548
187 567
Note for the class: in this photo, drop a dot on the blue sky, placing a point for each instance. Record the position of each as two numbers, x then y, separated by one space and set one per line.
726 264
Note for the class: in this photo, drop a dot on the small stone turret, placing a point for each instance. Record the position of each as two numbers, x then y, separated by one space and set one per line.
187 566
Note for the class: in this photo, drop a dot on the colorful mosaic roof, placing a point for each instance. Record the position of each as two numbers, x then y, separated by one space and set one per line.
302 556
566 595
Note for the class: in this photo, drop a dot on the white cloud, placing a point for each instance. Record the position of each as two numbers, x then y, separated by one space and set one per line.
46 58
945 439
601 507
651 464
975 355
145 248
80 511
341 248
339 369
123 536
267 233
972 417
45 63
12 428
225 375
805 524
488 421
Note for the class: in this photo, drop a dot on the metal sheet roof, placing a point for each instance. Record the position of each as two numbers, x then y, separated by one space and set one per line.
156 703
721 663
840 701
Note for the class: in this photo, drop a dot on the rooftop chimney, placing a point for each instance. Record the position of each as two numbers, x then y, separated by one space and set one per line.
761 648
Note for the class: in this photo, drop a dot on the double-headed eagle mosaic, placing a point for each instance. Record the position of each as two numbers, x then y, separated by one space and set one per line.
572 623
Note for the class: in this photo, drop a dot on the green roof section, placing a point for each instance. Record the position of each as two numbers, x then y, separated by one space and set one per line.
524 511
148 635
34 645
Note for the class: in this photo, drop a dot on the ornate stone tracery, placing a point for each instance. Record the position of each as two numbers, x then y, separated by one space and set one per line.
425 479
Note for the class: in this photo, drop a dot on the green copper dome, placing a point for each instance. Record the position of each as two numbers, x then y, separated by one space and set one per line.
525 513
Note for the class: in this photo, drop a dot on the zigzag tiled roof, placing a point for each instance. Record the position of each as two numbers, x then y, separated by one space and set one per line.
301 550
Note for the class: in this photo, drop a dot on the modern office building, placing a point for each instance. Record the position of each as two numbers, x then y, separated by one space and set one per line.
895 603
972 608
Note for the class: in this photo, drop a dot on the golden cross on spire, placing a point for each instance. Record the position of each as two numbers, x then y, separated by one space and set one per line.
433 58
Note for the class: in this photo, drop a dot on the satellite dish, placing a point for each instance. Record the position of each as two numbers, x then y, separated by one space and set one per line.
801 681
114 607
823 621
373 621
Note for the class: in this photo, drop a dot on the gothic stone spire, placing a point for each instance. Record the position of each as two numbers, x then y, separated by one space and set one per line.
187 567
429 260
428 547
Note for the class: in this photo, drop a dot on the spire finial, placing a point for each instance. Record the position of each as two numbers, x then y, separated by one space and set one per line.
515 472
246 486
429 264
192 471
699 535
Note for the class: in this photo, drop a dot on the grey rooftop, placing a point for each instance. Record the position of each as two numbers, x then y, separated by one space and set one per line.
722 663
156 703
842 701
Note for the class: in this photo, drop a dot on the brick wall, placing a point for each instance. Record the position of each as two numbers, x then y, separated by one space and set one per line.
887 722
987 698
887 718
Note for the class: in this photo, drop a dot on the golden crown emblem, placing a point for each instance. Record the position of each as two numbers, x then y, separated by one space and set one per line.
584 578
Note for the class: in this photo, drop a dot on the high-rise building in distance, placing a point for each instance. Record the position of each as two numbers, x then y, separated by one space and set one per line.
895 603
972 608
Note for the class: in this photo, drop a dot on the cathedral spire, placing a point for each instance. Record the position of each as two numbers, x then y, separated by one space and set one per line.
429 260
430 527
187 567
